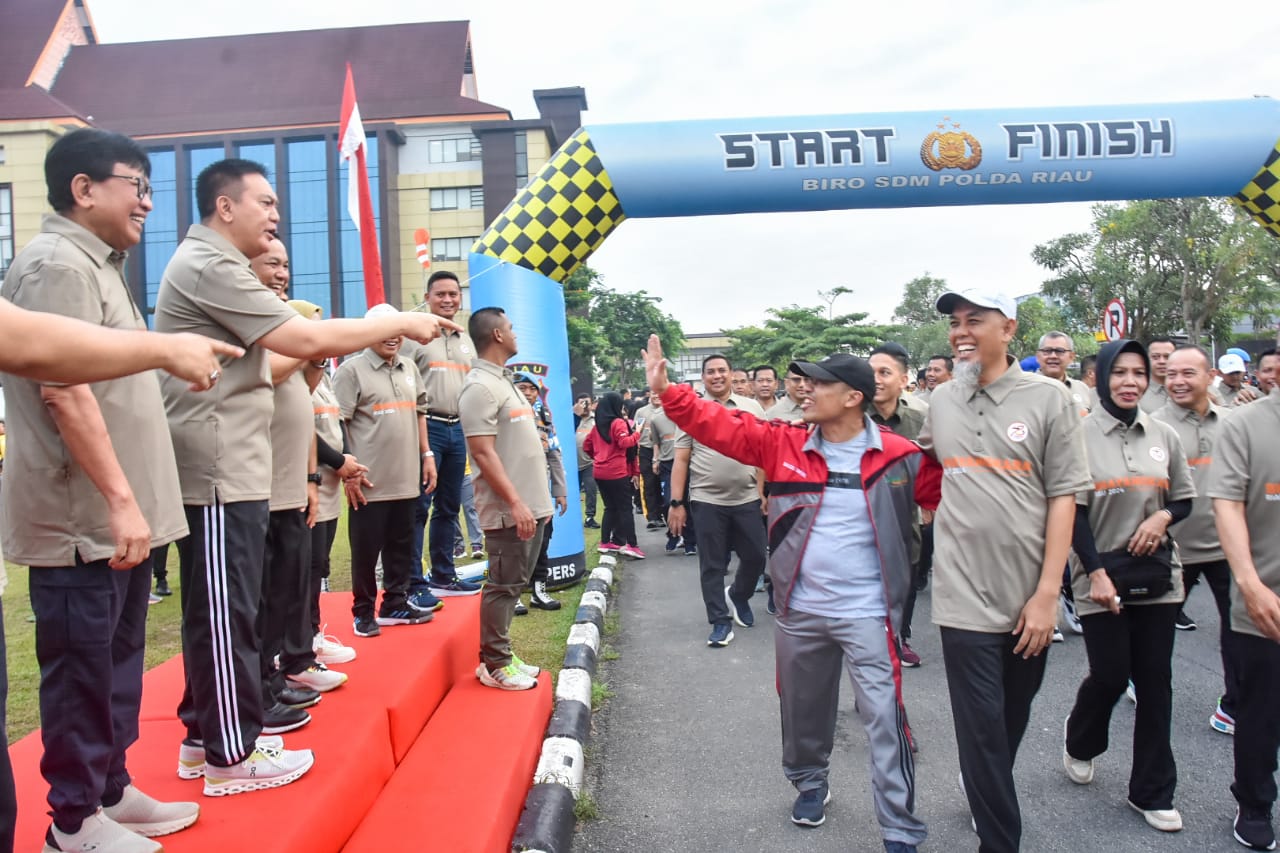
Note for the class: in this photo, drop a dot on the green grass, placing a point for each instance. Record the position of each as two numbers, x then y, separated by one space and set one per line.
538 637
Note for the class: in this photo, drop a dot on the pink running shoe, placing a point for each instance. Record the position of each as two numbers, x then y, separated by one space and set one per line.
609 548
632 551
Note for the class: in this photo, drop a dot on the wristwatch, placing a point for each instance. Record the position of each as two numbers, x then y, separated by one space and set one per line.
676 503
314 478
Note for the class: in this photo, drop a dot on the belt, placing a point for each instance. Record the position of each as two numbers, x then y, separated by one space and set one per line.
443 419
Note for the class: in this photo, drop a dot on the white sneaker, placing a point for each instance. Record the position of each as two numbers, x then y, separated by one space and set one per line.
1069 614
100 834
267 767
1131 694
1057 635
191 755
508 677
145 815
318 677
527 668
1165 820
329 649
1078 771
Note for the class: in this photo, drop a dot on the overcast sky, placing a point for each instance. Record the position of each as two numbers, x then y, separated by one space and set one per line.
665 60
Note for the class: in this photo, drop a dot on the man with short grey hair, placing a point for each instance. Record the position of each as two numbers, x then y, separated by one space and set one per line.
1055 354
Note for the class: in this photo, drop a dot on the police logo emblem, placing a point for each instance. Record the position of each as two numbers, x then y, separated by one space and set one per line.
950 149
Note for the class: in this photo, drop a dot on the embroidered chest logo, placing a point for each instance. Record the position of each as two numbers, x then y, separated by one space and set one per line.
1157 453
1017 432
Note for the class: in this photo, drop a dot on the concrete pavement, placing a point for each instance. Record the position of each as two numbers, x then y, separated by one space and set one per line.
686 756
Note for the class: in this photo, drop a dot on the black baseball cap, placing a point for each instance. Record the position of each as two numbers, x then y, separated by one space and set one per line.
841 367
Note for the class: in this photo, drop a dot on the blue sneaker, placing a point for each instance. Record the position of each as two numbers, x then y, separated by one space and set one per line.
424 602
721 635
741 612
898 847
454 586
769 605
810 807
691 550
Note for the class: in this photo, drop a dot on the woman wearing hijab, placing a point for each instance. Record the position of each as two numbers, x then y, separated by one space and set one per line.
611 446
1128 582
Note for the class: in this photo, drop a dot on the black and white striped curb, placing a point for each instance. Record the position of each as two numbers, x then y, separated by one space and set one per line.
546 823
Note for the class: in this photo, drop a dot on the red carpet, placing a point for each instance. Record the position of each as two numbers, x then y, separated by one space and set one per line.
412 750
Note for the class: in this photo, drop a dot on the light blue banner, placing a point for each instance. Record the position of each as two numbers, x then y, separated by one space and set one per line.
949 156
535 305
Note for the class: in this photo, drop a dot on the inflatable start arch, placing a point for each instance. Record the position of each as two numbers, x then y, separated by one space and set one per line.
608 173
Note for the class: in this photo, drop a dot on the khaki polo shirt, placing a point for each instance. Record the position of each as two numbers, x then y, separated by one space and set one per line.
715 478
785 409
1136 471
1084 397
906 421
1155 398
1246 468
221 437
51 509
662 432
1005 450
292 425
641 425
491 405
923 394
1227 395
585 426
381 402
1196 535
328 426
443 364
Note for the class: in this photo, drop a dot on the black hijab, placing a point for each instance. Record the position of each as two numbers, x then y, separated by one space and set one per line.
1106 360
608 411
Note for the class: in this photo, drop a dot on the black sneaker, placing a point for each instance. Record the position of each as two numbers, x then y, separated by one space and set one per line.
691 550
279 719
810 807
367 627
521 609
673 543
591 523
1184 622
1253 829
162 587
403 616
653 525
298 696
769 605
541 599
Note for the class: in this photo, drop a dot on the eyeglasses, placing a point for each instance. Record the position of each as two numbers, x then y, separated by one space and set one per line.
1058 351
142 185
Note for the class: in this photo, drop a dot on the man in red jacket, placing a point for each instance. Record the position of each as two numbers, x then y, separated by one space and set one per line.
841 498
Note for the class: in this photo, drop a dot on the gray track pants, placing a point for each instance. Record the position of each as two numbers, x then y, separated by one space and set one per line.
810 652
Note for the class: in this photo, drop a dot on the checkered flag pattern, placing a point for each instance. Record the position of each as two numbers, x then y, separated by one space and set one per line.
560 218
1261 196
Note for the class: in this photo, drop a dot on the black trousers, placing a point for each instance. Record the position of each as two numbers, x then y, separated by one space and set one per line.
919 570
91 633
322 536
617 525
160 563
284 621
381 528
690 533
649 484
1218 575
587 487
1136 643
220 569
721 528
542 568
991 691
1257 722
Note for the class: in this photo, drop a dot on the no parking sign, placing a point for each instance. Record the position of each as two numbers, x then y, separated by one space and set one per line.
1115 320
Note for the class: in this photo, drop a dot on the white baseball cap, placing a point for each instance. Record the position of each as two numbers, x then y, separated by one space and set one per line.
980 297
1231 363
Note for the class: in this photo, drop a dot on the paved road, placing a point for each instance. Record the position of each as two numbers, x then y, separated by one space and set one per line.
687 754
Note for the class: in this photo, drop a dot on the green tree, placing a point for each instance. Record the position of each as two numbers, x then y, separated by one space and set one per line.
1192 266
920 328
794 332
586 341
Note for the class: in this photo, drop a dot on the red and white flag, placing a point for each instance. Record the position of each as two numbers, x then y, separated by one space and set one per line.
353 150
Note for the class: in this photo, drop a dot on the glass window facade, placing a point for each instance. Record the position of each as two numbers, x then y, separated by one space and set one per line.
6 227
306 223
522 159
197 159
260 152
451 248
453 149
160 237
353 298
458 198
